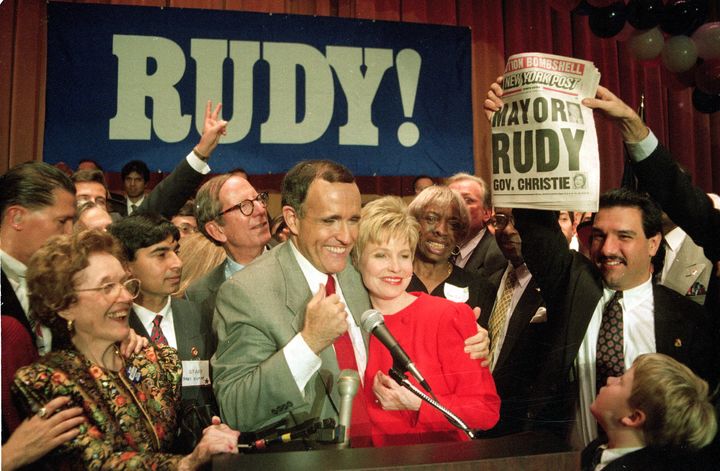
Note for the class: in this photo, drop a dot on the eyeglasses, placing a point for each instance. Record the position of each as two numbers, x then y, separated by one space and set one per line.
112 289
248 206
500 221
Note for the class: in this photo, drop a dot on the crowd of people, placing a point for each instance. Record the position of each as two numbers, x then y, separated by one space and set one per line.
148 329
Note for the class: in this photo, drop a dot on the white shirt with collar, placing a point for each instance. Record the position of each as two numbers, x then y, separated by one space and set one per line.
167 325
611 454
15 271
467 249
673 240
301 360
130 205
523 278
638 305
197 164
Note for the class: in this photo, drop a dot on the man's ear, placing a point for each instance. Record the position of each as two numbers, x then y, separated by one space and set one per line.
291 219
635 420
654 243
14 216
216 231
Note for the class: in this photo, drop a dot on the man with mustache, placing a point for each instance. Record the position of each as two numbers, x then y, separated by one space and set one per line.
580 296
151 245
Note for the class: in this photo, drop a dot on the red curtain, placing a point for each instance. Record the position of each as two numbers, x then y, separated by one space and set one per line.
499 29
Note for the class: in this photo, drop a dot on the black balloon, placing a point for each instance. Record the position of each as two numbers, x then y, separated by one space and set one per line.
705 103
683 16
608 21
644 14
584 9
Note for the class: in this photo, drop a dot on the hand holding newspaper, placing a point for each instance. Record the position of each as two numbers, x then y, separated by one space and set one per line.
544 144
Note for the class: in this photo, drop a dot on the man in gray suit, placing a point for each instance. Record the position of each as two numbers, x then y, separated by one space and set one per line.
277 323
479 253
151 244
685 268
233 215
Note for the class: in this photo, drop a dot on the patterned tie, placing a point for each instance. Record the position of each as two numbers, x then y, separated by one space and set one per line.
360 420
133 208
499 314
610 360
157 336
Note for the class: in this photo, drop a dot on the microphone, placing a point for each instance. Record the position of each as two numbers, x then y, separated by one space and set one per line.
348 383
373 323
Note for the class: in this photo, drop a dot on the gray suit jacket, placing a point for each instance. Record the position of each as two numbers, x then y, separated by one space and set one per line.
690 267
487 260
258 311
203 291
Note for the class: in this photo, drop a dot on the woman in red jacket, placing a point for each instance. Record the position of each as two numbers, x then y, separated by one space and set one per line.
430 329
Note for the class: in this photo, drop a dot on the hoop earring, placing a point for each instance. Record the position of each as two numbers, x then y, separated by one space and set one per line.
456 251
70 325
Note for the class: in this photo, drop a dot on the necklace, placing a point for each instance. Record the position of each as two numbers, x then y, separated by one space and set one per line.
450 268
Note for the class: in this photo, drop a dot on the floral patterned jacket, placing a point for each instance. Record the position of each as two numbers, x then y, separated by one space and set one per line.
131 414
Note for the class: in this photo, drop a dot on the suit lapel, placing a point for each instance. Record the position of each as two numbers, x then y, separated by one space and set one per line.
478 255
297 291
11 305
689 265
216 278
137 326
526 307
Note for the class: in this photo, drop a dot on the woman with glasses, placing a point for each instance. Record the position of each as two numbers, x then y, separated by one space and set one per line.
79 288
443 220
430 329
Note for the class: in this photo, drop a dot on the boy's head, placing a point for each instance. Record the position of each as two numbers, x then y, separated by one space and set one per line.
151 244
661 398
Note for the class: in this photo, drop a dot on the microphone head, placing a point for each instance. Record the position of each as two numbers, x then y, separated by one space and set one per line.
348 382
371 319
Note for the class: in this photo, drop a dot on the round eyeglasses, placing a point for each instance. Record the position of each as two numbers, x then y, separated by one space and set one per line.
247 207
500 221
113 288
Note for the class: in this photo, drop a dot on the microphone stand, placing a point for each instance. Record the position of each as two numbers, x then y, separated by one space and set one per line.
401 379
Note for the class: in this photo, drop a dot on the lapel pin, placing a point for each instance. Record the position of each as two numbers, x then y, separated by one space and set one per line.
678 343
194 352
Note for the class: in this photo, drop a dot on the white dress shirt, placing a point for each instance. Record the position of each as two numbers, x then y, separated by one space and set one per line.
167 326
638 305
301 360
467 249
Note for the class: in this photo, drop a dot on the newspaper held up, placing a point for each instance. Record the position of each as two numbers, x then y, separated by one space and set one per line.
544 144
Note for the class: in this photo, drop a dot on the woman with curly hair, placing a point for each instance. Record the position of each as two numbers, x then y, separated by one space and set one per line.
80 289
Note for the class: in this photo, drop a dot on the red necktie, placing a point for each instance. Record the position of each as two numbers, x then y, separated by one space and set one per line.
360 422
157 336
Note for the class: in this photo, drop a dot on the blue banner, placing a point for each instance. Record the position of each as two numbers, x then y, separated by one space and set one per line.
383 98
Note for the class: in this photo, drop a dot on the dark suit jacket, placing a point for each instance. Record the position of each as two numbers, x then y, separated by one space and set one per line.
170 194
644 459
10 305
516 368
572 286
192 331
487 260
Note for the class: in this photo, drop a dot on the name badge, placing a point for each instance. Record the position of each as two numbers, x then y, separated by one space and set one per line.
456 293
196 373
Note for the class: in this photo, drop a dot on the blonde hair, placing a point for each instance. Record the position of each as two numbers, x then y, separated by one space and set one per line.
449 201
199 256
675 402
383 219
